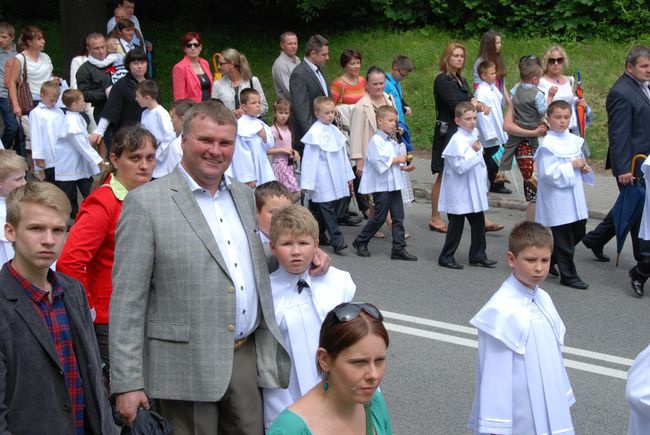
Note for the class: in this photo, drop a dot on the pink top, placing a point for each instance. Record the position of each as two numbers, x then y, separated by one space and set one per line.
282 137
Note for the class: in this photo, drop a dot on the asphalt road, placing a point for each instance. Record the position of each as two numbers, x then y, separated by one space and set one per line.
430 380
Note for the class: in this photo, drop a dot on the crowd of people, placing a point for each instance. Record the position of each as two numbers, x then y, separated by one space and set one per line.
205 294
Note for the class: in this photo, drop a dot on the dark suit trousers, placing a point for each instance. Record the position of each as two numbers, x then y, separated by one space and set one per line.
385 202
478 244
238 412
492 166
565 239
70 189
327 220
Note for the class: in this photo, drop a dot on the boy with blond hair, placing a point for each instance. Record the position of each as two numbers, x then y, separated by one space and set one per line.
12 176
44 124
522 386
300 301
76 161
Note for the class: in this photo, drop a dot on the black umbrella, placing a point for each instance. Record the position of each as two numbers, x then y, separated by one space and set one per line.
148 423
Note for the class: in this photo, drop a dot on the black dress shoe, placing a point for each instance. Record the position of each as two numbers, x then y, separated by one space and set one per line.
339 249
637 283
402 254
484 263
350 221
578 284
553 271
598 253
500 189
450 265
362 249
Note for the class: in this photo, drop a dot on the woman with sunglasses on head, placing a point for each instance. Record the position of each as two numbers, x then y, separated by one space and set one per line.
553 63
351 358
191 77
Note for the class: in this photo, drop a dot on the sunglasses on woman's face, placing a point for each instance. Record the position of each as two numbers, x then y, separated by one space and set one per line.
350 311
556 60
192 45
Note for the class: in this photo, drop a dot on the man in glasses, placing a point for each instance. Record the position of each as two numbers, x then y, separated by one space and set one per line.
628 123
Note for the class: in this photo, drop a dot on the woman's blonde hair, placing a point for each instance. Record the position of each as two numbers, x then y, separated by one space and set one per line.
239 61
547 55
447 53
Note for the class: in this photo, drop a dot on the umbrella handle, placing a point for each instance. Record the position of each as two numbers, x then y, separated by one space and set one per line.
634 159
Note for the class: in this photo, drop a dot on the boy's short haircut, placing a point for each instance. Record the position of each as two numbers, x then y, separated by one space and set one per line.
286 34
246 94
147 88
181 106
385 110
36 192
321 101
402 63
294 219
8 29
529 235
462 108
124 23
50 89
71 96
10 162
529 70
484 66
268 190
558 104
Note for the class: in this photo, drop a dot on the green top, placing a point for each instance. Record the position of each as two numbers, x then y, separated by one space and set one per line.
290 423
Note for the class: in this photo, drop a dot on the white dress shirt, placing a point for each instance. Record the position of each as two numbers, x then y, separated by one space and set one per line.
319 74
223 219
379 172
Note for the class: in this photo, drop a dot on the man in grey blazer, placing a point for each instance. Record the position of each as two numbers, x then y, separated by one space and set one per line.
191 316
307 82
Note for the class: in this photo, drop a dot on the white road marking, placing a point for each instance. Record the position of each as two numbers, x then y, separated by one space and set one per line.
468 342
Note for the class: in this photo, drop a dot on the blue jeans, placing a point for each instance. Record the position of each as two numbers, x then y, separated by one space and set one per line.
11 124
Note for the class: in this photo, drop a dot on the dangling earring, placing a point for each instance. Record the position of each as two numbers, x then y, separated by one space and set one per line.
326 384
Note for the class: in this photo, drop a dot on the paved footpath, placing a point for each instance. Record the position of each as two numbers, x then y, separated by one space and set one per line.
600 197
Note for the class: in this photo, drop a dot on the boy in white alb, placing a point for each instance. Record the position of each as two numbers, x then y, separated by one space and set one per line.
76 161
301 302
250 163
463 194
44 123
637 393
561 203
383 177
490 127
12 176
176 113
157 120
326 174
522 386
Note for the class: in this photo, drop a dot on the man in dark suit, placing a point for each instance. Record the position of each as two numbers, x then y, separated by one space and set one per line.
628 113
51 379
307 82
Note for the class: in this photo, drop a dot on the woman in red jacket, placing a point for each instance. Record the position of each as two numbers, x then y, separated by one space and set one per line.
88 251
191 77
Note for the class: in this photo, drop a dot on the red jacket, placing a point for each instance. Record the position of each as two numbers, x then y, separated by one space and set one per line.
185 83
88 251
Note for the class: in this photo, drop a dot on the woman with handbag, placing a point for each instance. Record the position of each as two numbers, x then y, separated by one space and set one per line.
30 70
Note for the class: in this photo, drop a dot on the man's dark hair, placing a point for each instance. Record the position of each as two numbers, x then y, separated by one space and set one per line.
315 43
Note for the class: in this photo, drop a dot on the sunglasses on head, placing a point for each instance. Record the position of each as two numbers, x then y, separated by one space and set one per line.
350 311
556 60
192 45
527 58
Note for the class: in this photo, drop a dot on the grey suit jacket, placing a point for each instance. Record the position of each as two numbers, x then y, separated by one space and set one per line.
304 87
172 309
34 398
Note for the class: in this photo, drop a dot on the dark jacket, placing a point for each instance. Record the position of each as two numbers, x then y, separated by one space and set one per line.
628 124
33 394
93 82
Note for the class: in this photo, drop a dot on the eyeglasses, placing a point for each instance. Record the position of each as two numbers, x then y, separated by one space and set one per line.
350 311
192 45
527 58
556 60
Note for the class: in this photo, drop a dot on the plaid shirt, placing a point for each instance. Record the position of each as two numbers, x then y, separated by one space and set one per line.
56 319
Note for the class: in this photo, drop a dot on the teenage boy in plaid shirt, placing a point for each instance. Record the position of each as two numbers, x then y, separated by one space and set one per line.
50 373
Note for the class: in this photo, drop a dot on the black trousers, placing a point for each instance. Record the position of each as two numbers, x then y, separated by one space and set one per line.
70 189
385 202
362 200
565 239
492 166
478 244
327 221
